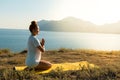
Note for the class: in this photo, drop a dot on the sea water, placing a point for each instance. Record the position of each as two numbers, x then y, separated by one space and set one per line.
16 40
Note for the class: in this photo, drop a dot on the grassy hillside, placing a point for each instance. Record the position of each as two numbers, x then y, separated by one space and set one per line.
108 61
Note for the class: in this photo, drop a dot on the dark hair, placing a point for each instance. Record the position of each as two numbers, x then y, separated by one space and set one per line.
33 25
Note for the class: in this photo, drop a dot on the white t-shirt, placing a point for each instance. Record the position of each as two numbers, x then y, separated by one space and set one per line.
34 54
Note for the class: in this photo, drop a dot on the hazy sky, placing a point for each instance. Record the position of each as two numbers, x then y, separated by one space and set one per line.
19 13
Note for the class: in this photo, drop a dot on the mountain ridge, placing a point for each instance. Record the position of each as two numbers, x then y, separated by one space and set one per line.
72 24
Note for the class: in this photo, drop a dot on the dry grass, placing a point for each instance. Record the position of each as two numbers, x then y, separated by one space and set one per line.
109 61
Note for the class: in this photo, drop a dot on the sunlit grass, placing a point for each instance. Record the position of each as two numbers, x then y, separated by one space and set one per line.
59 74
4 51
108 62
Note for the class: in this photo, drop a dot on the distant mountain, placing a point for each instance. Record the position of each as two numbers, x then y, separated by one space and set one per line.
110 28
71 24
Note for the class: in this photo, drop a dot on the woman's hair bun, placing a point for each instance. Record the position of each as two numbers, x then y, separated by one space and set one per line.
33 22
33 25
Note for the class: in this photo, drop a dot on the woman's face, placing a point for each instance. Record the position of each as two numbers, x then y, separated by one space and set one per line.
35 31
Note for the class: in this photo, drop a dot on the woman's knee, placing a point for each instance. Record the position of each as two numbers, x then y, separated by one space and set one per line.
45 65
49 65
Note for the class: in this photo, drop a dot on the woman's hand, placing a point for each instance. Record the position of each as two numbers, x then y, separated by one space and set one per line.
42 42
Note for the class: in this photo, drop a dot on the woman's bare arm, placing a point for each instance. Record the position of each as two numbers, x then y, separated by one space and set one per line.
41 48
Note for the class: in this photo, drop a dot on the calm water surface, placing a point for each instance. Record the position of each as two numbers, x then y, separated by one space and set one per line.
16 40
